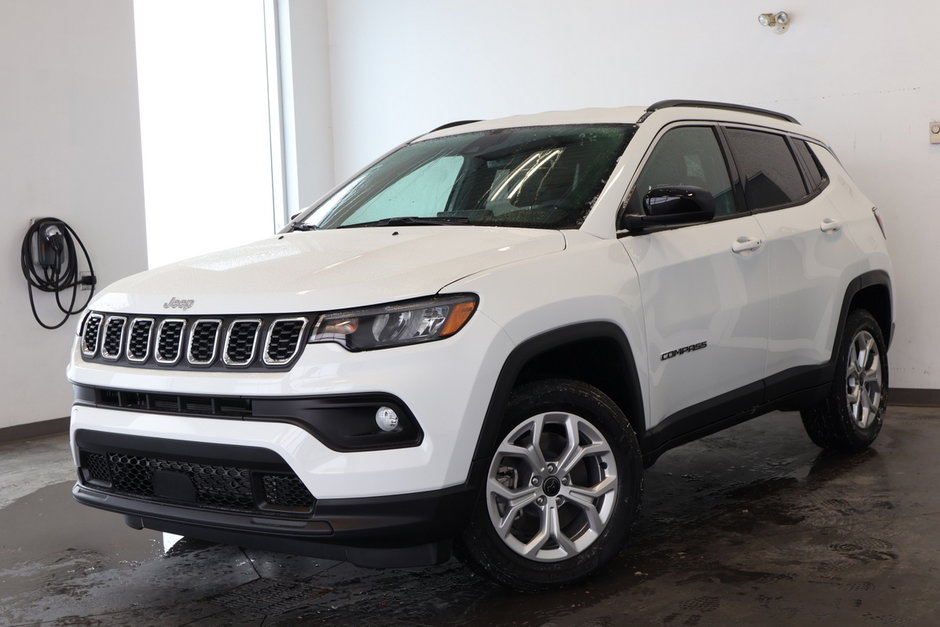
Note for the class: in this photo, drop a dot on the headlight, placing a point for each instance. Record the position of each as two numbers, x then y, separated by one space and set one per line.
397 324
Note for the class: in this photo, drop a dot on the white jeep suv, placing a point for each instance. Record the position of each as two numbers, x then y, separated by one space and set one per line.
480 340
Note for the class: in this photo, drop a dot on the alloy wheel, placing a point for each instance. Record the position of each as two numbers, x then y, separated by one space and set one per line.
863 381
552 487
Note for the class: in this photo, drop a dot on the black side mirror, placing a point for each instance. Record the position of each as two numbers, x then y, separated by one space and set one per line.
672 204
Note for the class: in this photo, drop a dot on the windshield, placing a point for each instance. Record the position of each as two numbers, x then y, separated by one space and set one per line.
543 177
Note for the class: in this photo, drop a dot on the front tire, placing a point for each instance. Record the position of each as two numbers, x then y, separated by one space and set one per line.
561 492
851 416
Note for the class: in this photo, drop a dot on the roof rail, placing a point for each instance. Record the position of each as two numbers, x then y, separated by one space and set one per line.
705 104
452 124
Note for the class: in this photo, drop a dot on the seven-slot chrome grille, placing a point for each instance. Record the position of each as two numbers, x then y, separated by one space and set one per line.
216 342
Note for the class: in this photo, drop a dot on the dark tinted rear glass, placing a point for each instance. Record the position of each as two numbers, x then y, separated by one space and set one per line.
814 169
771 175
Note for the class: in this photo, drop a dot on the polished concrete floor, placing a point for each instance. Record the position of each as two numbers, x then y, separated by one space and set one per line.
753 526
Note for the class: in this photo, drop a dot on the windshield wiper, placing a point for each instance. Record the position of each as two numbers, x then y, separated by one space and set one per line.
409 221
303 226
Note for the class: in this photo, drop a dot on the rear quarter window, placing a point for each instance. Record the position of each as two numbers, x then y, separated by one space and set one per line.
816 175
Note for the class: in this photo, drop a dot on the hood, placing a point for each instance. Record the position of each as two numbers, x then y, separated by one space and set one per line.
320 270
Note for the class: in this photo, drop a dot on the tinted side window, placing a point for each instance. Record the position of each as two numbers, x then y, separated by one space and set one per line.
814 169
768 168
688 155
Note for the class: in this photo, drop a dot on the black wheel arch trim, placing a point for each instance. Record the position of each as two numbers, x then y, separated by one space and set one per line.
873 278
562 337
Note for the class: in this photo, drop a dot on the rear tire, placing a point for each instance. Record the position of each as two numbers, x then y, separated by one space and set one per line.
561 492
851 416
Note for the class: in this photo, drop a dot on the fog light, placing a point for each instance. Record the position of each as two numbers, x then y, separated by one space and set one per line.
386 419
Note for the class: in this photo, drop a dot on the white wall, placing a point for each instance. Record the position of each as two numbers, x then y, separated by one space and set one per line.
69 148
866 74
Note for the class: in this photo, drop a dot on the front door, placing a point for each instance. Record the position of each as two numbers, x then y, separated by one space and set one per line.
704 288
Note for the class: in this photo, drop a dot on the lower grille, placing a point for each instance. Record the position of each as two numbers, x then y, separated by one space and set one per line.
221 487
285 491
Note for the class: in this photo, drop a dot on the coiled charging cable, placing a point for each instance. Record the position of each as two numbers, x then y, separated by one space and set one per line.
50 264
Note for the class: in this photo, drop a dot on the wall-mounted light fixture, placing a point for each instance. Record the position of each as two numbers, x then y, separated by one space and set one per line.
779 21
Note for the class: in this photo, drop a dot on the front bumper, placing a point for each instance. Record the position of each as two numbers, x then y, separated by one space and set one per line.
402 530
445 386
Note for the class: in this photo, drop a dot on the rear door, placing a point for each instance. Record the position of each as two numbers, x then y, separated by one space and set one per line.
704 289
806 245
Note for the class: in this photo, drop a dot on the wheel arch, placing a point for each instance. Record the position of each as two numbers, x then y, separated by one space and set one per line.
870 291
876 299
596 353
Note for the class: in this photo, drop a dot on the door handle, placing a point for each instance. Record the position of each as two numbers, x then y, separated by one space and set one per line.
830 225
745 244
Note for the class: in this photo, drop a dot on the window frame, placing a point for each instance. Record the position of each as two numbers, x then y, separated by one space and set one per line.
733 171
824 175
789 138
733 177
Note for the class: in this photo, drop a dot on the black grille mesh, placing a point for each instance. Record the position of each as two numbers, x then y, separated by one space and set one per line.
285 336
113 337
203 340
96 465
138 343
240 347
90 336
216 486
168 344
286 491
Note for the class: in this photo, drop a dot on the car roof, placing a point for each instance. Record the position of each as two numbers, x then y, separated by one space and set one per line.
664 110
617 115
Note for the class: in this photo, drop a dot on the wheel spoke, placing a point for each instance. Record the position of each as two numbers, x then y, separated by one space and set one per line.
586 504
870 352
866 407
574 452
592 492
853 393
496 487
516 501
534 545
554 526
529 453
856 408
873 372
852 365
595 448
861 353
571 446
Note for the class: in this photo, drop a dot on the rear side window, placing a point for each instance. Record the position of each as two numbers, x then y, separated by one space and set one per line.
814 170
769 170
